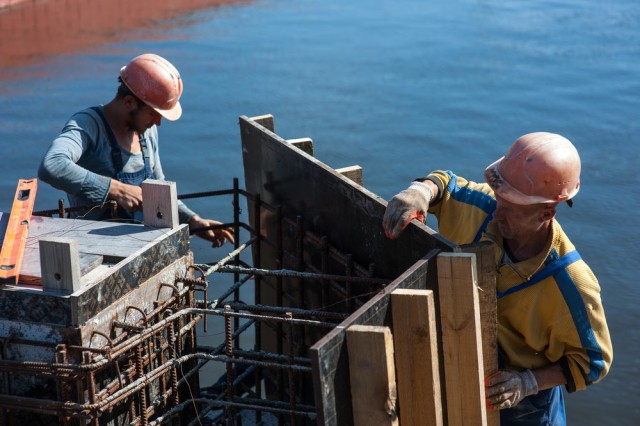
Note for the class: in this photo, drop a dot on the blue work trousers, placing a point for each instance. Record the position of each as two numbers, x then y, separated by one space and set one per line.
546 408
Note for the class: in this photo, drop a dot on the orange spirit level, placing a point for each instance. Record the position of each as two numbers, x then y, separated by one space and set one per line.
15 237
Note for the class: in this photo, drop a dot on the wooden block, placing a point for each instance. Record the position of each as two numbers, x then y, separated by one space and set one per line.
372 375
160 204
265 121
461 339
486 275
352 172
415 341
303 144
60 264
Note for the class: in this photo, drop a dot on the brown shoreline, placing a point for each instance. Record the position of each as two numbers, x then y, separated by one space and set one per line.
31 30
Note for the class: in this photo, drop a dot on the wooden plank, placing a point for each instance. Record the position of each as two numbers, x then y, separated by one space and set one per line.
60 264
303 144
486 275
160 207
352 172
265 121
328 355
415 340
372 374
349 216
331 379
96 240
461 339
15 236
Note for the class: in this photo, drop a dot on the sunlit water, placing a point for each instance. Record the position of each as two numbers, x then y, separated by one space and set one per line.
397 87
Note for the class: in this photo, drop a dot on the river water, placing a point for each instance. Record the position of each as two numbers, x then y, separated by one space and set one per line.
398 87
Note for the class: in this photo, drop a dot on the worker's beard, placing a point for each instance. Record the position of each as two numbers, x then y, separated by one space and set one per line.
134 122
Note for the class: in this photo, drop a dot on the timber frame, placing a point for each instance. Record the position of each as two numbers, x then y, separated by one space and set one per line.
458 280
347 326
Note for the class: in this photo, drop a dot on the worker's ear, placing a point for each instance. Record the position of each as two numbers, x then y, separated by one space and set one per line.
130 102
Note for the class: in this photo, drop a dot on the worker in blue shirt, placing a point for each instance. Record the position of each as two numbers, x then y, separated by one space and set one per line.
105 152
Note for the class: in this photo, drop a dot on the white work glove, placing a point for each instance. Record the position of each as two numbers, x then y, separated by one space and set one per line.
409 204
506 388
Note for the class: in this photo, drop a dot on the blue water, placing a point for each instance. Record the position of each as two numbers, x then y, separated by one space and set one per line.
399 88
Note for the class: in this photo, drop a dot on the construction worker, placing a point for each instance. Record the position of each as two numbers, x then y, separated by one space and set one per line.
552 329
105 152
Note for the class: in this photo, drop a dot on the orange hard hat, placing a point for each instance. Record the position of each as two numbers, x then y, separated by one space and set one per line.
156 82
539 167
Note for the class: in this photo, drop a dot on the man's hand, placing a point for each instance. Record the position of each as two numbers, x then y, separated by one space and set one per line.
506 388
129 197
408 204
217 237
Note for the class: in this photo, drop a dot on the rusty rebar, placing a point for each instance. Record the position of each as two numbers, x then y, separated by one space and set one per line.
228 338
290 373
135 337
142 393
298 274
174 368
257 251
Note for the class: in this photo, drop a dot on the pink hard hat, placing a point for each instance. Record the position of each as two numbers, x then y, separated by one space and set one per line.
156 82
539 167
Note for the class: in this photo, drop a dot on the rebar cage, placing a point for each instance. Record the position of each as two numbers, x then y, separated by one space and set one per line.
319 261
145 371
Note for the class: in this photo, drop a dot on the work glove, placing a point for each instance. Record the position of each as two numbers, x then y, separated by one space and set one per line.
506 388
409 204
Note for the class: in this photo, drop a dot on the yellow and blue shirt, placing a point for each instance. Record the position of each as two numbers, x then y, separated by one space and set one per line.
549 307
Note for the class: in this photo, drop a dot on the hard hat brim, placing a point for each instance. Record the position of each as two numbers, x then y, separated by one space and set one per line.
170 114
504 189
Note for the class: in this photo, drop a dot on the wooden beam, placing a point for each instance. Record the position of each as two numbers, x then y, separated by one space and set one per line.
461 339
486 275
303 144
60 264
160 204
372 375
352 172
265 121
415 341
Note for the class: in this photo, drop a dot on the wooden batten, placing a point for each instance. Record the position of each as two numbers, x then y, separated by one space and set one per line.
461 339
265 121
303 144
352 172
372 374
486 276
415 341
353 363
60 264
160 207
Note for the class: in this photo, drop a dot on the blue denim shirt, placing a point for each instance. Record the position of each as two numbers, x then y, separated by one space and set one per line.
79 162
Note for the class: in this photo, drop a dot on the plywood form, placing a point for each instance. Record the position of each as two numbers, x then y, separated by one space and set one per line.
372 375
415 339
329 356
461 339
349 217
130 254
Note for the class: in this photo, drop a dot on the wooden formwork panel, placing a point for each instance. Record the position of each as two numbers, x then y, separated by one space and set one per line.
329 203
129 254
326 203
329 355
